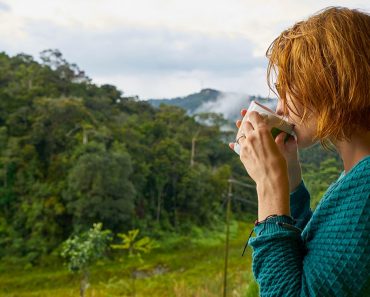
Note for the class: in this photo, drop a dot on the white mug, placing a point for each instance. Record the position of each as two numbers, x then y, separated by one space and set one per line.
276 123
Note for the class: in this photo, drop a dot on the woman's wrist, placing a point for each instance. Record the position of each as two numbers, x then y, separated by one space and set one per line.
295 176
273 197
277 190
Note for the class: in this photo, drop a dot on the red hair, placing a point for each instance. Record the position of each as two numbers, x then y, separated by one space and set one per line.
323 63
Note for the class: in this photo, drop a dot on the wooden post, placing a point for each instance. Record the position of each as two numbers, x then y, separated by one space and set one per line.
227 237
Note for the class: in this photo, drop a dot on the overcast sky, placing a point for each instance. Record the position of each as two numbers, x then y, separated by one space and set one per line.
159 48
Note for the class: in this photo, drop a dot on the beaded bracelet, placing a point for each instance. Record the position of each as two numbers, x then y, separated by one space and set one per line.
256 222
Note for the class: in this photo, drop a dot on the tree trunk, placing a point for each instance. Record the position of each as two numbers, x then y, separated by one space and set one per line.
6 175
159 200
85 138
175 223
84 283
193 140
192 151
134 282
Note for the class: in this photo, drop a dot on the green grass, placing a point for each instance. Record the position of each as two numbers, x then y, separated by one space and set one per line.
181 267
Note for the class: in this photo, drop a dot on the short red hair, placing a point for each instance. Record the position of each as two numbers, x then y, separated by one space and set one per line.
324 64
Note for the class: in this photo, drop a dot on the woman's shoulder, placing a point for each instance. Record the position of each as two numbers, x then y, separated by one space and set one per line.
359 175
350 190
345 202
363 166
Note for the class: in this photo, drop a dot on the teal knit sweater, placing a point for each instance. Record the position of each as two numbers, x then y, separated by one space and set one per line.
325 253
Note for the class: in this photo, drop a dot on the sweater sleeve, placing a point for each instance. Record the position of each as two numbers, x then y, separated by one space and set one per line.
300 205
277 258
330 256
284 266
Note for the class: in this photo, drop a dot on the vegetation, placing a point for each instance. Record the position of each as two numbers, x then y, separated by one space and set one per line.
135 247
84 250
199 101
73 153
184 265
191 102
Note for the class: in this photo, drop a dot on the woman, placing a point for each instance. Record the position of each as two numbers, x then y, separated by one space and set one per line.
321 67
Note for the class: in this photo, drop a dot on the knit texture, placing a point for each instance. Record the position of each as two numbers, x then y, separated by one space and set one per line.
329 255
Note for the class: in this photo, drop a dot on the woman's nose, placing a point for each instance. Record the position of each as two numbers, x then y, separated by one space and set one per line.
279 109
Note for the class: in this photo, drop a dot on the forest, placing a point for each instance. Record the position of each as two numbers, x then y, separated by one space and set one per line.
73 153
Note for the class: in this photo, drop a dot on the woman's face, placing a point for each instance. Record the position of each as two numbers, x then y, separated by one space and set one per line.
305 132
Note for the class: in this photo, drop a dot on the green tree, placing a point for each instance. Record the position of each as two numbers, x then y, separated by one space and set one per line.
82 251
135 248
99 188
170 161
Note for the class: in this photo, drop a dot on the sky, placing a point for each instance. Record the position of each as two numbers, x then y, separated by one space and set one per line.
159 48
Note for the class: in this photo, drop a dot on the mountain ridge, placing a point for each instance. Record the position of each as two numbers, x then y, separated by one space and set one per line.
212 100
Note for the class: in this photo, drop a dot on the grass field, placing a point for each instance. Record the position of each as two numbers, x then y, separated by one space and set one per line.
182 267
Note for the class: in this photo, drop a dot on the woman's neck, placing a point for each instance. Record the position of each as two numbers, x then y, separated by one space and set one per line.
353 151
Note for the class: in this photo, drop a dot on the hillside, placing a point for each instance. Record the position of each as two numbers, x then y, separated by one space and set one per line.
228 104
73 153
191 102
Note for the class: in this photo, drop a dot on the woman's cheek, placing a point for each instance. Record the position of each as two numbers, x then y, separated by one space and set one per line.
304 137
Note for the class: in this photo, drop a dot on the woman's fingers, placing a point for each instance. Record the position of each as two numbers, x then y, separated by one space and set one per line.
242 113
288 148
257 120
279 139
288 143
248 126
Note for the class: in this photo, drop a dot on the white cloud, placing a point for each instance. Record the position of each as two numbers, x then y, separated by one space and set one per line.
259 21
152 62
4 7
229 105
182 83
157 48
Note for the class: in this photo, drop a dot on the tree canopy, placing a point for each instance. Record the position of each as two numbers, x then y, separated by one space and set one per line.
73 153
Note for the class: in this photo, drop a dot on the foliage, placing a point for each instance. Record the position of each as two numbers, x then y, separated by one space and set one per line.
191 102
318 179
135 247
98 188
73 153
81 251
167 271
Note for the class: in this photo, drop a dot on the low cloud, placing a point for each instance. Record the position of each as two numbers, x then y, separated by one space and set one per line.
229 104
4 7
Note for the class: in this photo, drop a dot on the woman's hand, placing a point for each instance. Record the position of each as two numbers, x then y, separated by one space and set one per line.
266 165
289 149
